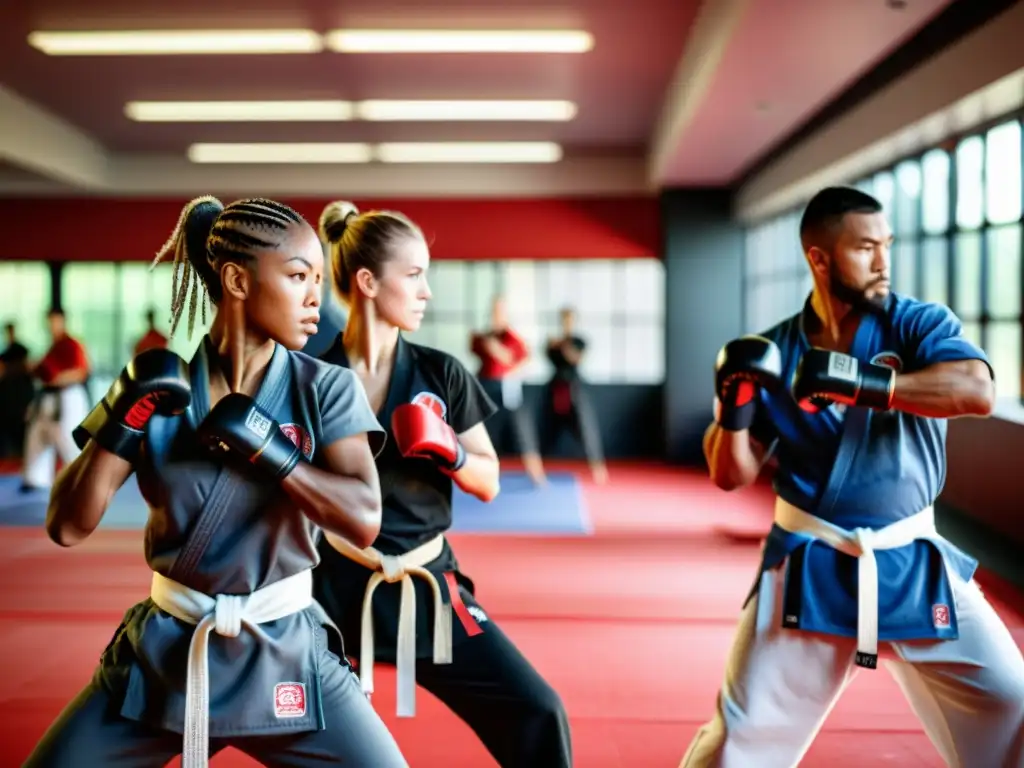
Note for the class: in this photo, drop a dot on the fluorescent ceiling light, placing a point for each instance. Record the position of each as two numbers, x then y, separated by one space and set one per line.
466 110
377 110
458 41
280 153
172 42
454 152
470 152
231 111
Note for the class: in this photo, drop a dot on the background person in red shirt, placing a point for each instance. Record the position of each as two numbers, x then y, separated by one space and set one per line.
502 354
153 338
60 406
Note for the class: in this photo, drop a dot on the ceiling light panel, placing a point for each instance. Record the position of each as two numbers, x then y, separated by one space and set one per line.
237 111
413 152
280 153
470 152
176 42
326 111
550 111
458 41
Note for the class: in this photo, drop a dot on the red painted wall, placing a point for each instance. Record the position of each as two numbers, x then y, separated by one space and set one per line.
101 229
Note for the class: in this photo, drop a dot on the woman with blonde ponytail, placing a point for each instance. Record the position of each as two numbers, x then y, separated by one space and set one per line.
404 599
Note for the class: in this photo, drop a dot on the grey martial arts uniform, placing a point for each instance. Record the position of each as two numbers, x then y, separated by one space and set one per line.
278 691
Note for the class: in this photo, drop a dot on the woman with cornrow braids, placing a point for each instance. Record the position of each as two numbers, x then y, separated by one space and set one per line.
244 455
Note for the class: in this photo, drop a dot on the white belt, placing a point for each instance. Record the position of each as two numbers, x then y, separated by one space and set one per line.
225 614
860 543
400 568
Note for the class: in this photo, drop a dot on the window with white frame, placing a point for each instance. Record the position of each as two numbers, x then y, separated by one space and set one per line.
619 307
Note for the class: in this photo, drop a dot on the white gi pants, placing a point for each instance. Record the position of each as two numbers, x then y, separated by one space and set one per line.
780 685
53 418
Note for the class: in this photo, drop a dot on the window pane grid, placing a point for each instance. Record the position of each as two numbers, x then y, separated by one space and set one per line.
619 304
25 289
620 308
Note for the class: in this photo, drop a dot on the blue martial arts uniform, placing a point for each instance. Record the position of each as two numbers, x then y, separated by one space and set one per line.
858 468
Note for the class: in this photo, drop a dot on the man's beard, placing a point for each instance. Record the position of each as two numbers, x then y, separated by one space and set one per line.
855 296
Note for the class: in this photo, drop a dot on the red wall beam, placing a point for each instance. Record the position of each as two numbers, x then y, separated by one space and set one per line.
103 229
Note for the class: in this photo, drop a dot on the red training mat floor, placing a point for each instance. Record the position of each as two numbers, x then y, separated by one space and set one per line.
631 626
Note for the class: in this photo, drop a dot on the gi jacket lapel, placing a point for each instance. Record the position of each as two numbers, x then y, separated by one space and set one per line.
854 429
270 397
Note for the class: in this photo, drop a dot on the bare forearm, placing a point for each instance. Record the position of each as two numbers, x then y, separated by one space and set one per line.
572 355
479 476
347 506
81 494
734 460
946 391
502 354
67 378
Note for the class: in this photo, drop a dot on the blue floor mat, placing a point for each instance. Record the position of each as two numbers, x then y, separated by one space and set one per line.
557 508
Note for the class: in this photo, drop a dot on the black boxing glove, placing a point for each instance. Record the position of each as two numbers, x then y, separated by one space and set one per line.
154 382
238 425
823 377
744 365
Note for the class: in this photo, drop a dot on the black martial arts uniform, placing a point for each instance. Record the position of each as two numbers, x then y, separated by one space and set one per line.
489 684
16 394
279 690
568 405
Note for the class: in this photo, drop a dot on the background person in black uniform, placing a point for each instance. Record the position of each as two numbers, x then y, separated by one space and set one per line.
435 410
16 393
244 455
568 405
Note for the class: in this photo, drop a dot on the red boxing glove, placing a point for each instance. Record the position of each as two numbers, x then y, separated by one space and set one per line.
422 434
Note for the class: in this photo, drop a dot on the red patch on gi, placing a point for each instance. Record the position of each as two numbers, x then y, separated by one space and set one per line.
300 438
889 360
289 699
431 401
940 615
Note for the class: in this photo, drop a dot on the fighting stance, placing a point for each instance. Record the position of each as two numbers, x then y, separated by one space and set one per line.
60 404
502 353
568 404
852 395
243 455
385 596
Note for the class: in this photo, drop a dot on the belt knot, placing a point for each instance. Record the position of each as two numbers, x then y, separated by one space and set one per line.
227 615
863 539
392 568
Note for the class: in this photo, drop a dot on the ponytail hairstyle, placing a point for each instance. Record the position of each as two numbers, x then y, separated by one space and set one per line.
360 240
209 235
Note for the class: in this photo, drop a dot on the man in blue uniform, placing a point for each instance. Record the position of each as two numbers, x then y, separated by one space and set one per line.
852 396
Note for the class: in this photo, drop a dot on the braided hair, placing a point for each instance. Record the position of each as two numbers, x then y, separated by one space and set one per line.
209 235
